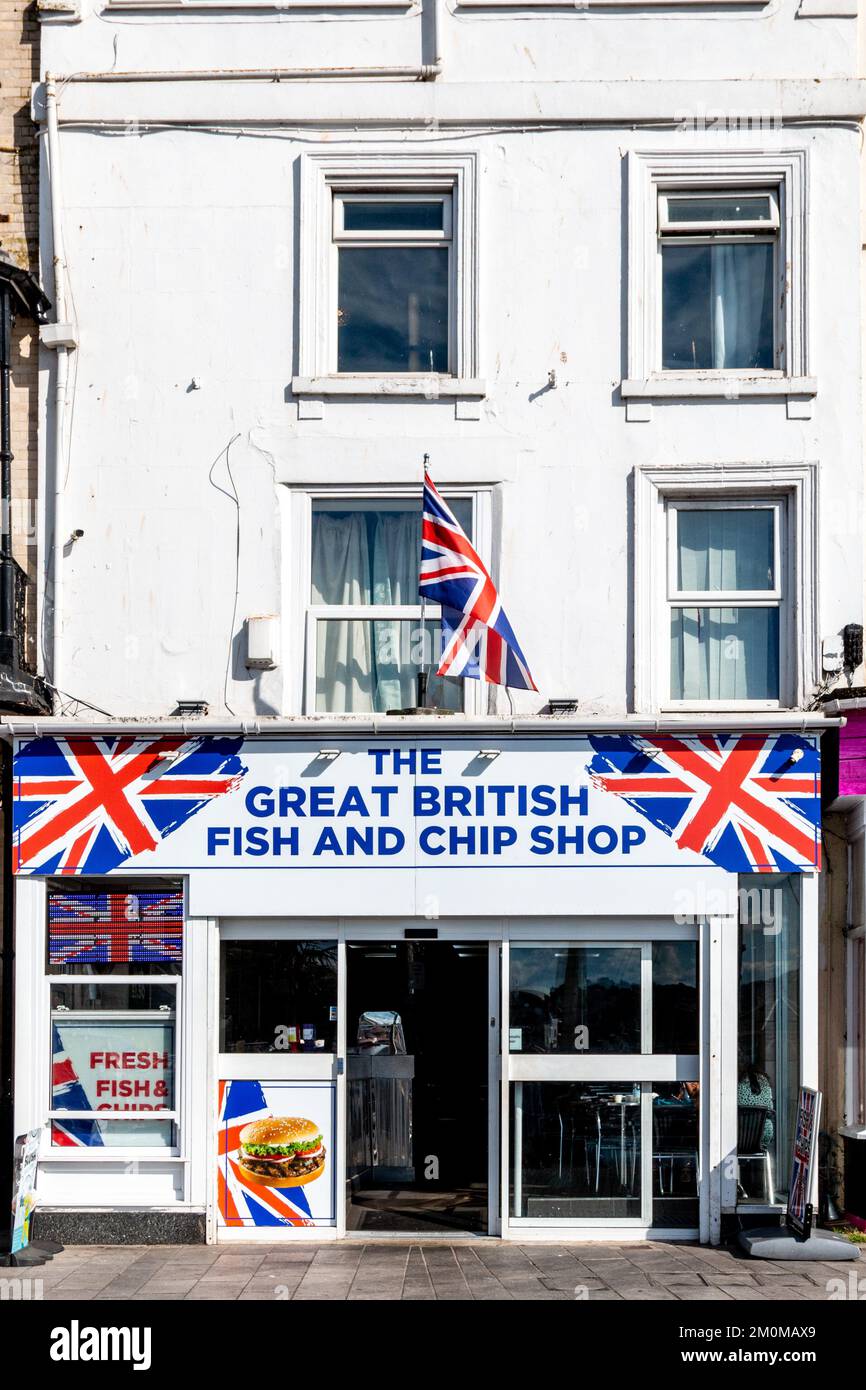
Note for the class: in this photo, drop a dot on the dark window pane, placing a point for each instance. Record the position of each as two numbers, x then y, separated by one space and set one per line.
393 309
768 1033
392 217
755 208
676 1113
724 653
278 996
575 999
575 1150
142 995
675 996
717 306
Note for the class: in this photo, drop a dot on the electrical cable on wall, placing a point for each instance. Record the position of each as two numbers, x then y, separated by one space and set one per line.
233 497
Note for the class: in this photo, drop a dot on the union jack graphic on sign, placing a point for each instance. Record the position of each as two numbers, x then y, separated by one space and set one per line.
86 805
749 803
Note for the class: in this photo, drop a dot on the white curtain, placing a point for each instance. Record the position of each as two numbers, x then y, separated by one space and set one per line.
725 653
344 653
396 559
725 550
739 275
365 665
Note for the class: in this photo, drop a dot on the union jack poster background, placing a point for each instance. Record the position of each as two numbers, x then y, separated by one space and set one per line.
241 1203
131 928
744 803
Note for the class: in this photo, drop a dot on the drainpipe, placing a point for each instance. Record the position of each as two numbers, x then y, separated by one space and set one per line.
61 337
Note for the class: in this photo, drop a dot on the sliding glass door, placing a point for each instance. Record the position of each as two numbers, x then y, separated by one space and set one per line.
601 1044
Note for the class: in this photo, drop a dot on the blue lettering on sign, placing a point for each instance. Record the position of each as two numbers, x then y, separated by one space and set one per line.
458 820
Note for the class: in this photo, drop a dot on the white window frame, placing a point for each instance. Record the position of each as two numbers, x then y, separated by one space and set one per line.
729 485
131 1117
776 598
650 177
342 238
324 179
305 614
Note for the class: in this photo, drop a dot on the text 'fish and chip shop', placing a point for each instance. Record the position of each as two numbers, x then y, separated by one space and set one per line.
422 801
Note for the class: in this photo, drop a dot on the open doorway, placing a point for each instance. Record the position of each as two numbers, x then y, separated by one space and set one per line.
417 1044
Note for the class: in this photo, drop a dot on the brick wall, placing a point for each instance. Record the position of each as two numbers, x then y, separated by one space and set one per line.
19 231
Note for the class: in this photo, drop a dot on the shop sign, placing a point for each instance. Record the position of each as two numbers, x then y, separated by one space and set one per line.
23 1186
113 1068
742 803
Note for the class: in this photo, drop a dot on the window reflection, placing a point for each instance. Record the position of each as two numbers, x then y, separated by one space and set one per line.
575 998
278 996
575 1150
675 996
768 1076
675 1115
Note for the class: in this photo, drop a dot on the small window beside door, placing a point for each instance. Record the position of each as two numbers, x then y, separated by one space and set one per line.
278 996
719 252
726 587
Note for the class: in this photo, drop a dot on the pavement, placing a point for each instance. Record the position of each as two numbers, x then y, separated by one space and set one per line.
468 1270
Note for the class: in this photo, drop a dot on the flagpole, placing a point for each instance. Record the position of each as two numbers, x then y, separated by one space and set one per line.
422 674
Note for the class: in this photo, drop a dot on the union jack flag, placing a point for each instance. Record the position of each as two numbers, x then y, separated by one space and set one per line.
238 1202
67 1093
115 927
477 639
748 803
85 805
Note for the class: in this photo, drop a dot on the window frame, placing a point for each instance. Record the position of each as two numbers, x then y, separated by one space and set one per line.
307 614
653 177
794 488
776 598
720 233
174 979
325 179
340 238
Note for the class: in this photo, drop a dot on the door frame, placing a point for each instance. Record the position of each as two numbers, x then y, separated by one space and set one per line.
334 1065
518 1067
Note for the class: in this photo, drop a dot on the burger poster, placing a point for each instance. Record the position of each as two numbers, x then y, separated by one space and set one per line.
274 1153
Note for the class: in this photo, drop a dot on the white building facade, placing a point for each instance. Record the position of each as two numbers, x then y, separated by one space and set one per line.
546 964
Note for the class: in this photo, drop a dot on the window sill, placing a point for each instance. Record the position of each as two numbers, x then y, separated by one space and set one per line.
430 386
639 394
726 707
852 1131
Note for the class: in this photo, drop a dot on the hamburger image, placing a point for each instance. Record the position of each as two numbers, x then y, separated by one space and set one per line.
281 1151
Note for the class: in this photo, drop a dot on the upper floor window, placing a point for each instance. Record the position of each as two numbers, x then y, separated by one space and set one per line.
388 278
393 266
717 279
726 595
719 273
726 562
365 638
